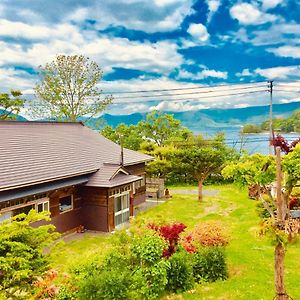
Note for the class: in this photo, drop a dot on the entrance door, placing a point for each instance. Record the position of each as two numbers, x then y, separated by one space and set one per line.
122 205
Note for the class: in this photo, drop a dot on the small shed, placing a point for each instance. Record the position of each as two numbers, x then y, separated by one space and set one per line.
155 188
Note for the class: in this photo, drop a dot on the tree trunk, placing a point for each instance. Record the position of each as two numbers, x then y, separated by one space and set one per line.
200 190
279 272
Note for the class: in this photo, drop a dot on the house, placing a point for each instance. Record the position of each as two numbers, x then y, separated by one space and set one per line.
70 170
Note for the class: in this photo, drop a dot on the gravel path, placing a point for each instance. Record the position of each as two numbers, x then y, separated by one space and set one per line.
195 192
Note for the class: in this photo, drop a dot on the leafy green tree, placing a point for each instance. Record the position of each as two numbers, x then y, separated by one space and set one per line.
129 135
68 89
291 124
260 170
202 158
22 256
160 127
11 105
251 128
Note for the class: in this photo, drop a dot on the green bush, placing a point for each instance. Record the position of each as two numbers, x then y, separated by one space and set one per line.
180 272
148 249
108 285
209 264
150 282
22 257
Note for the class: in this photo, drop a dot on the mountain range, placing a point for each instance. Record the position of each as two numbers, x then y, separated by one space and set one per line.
206 118
214 118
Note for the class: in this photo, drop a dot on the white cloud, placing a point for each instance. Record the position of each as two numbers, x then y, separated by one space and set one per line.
279 72
161 57
249 14
148 16
268 4
38 32
286 51
177 106
202 74
213 6
15 79
244 73
199 32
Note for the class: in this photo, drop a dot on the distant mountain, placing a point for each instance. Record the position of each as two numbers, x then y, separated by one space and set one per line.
213 118
200 120
18 117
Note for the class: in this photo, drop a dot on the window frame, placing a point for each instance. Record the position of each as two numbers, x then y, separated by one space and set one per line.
72 204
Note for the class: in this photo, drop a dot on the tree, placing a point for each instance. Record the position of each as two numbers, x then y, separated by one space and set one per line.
159 127
11 105
202 158
68 89
251 128
129 135
22 257
260 170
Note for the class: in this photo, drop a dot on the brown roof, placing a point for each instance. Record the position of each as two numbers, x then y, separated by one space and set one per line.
110 176
35 152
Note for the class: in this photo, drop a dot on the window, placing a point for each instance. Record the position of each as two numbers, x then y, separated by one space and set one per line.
65 204
122 204
23 210
42 206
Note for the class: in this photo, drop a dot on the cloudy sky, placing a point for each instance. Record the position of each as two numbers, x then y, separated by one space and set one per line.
159 44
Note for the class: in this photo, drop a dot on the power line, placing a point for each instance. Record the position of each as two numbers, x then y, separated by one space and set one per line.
181 99
193 99
178 89
191 93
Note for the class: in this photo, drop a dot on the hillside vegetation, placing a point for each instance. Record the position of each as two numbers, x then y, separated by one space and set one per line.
290 124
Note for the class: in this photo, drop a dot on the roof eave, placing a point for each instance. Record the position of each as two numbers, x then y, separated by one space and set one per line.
30 183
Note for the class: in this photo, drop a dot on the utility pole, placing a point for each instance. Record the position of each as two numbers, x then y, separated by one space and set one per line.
122 151
279 252
270 90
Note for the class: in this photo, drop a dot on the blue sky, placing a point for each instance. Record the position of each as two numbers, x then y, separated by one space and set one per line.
157 44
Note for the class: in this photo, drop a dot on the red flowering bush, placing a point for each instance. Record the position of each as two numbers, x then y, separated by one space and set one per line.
170 233
187 243
209 234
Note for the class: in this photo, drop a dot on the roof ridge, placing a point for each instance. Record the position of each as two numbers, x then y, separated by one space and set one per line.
40 122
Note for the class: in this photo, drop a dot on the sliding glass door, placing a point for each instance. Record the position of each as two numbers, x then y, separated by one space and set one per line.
122 205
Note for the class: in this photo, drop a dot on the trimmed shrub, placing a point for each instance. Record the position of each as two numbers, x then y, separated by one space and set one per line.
150 282
209 234
108 285
148 249
180 272
209 264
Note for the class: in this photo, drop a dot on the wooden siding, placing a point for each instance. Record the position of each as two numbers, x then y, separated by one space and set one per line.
68 220
94 208
138 169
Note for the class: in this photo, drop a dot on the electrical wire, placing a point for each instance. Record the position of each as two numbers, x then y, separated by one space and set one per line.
190 93
178 89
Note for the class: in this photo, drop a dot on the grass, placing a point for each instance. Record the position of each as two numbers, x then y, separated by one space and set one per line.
250 258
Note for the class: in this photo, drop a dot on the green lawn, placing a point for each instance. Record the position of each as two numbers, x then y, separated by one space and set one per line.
250 258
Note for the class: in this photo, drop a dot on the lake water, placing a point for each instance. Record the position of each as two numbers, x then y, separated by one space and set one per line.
253 143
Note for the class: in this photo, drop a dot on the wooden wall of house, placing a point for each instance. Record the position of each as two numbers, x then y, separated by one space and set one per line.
138 169
94 212
68 220
140 193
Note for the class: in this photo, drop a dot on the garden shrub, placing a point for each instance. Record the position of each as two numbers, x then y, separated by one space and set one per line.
21 252
148 249
150 281
108 285
180 272
171 234
209 264
209 234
